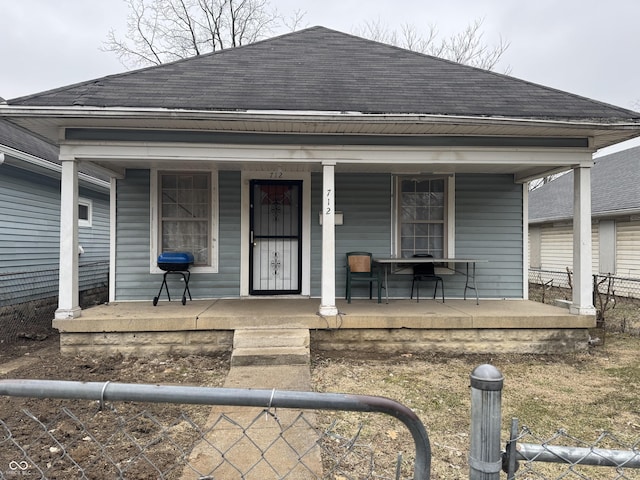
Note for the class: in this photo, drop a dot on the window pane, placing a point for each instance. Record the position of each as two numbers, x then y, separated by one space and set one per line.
83 212
185 215
422 213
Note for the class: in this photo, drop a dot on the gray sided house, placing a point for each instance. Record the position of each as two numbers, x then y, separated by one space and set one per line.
615 220
30 173
269 162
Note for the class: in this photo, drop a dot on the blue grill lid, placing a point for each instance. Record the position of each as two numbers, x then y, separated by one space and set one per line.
175 257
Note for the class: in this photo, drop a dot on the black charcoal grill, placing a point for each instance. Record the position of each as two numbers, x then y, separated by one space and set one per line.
175 263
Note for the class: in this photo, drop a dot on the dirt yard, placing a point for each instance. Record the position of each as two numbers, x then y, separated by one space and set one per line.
584 394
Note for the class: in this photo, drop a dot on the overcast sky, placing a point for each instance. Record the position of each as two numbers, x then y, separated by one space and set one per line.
587 47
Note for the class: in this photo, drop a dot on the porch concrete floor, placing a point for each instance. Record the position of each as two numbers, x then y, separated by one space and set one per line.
232 314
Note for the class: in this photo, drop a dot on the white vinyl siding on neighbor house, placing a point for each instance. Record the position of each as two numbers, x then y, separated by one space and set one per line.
554 245
616 250
628 249
556 248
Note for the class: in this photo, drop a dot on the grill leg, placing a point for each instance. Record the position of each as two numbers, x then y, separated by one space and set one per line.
186 275
162 285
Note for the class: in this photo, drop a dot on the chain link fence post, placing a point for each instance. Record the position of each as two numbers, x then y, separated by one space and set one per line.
485 458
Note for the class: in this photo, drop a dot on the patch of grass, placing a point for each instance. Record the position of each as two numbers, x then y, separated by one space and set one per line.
584 394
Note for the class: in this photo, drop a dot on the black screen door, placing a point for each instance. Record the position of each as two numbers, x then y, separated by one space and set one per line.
275 259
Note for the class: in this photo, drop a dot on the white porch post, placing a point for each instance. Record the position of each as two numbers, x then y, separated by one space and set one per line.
328 300
582 283
68 297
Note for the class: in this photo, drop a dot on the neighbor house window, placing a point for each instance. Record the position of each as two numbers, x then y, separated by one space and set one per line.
85 208
422 216
185 218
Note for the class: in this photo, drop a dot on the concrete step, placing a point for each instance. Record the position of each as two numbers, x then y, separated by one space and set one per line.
270 346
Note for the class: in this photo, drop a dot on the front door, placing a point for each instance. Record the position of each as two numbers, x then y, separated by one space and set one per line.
275 252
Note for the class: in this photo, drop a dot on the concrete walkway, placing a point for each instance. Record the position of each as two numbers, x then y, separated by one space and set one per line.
247 442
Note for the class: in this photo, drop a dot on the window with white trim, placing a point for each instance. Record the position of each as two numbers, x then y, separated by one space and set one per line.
85 212
422 216
186 215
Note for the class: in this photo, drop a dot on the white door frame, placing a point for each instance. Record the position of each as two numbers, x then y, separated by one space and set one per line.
276 174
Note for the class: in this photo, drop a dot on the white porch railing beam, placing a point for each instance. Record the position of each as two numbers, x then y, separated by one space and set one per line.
68 296
328 294
582 249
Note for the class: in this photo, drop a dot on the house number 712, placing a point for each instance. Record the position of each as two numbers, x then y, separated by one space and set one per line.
329 201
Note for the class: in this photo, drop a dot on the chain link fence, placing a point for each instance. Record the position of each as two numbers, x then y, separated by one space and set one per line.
125 431
624 287
276 434
28 299
562 455
616 299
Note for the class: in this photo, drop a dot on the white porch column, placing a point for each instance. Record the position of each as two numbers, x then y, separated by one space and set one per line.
68 297
582 279
328 300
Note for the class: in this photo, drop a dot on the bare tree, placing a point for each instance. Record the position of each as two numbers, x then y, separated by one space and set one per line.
160 31
466 47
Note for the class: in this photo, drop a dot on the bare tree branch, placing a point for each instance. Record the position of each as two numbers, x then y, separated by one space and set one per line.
466 47
160 31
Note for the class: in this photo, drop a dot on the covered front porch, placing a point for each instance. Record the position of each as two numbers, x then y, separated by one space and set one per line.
364 326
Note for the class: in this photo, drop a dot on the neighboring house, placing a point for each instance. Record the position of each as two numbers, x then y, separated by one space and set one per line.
615 224
30 173
244 156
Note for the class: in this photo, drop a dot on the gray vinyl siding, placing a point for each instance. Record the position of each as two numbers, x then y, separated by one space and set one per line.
30 225
30 237
133 278
364 200
93 265
226 283
489 226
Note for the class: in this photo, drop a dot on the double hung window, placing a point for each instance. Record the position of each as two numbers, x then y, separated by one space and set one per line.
185 221
422 216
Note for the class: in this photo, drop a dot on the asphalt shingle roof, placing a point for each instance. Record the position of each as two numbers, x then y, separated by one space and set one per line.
19 139
318 69
615 187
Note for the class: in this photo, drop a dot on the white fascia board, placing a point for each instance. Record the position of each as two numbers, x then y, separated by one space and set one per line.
287 115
